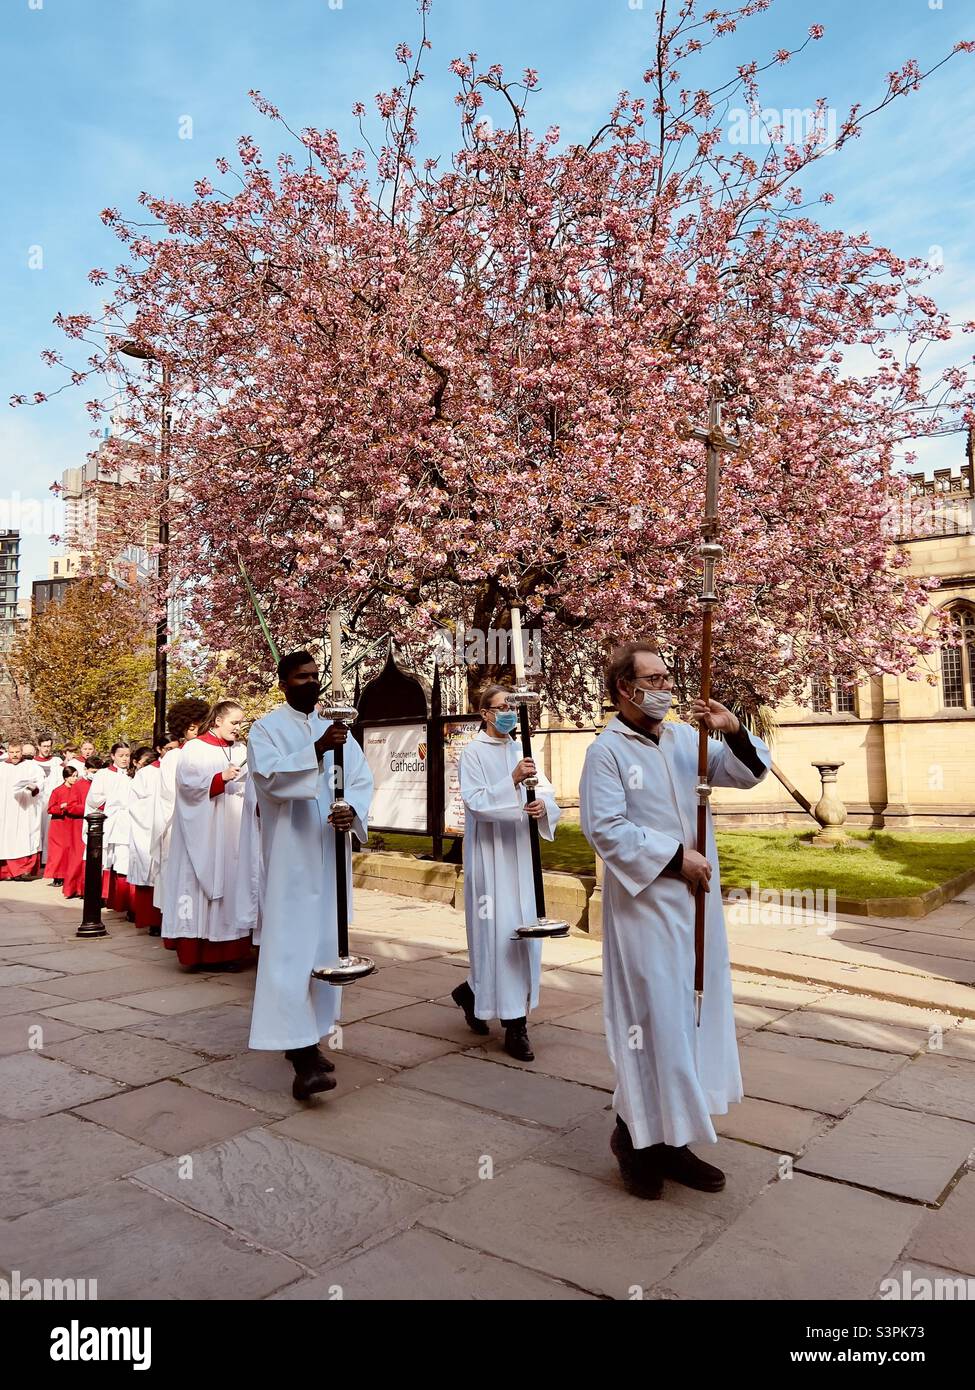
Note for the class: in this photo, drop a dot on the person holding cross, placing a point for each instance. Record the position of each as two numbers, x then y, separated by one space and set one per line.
638 801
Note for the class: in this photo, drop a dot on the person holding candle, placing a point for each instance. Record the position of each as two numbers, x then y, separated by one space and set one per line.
291 756
499 890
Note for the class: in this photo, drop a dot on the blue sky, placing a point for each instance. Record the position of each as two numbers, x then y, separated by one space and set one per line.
93 93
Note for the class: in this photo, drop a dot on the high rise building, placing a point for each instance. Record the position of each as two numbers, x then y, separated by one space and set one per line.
9 580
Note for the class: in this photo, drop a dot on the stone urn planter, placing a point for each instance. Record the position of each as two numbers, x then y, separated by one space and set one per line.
829 810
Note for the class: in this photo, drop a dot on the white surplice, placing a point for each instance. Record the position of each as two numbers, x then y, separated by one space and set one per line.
201 864
299 929
111 791
51 767
499 889
162 825
142 812
20 808
638 804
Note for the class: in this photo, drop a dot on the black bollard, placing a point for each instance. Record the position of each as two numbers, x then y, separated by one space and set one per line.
91 920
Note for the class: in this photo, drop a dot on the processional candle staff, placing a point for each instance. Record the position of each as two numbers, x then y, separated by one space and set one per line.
523 696
711 552
347 967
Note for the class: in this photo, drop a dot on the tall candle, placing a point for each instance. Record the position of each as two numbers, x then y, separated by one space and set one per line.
335 626
516 643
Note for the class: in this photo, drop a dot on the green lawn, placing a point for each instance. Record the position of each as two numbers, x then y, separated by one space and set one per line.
894 864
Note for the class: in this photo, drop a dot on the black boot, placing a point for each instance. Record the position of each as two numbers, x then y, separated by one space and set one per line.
463 997
516 1042
639 1168
310 1075
680 1165
153 931
325 1064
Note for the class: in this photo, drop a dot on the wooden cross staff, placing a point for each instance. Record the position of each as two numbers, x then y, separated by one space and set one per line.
711 551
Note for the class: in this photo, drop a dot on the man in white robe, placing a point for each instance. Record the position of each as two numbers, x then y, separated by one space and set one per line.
289 753
51 766
499 887
21 795
183 722
111 791
638 809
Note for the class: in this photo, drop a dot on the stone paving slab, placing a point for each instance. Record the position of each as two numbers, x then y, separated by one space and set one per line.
391 1046
424 1139
945 1237
25 975
886 1011
179 999
124 1056
289 1196
431 1021
31 1085
79 960
110 984
14 934
818 1050
222 1031
520 1093
43 1161
782 1128
101 1015
138 1246
370 1003
929 943
263 1081
768 991
751 1016
892 1150
571 1227
808 1083
938 1085
19 999
171 1117
960 1041
424 980
802 1239
587 1020
420 1266
32 1032
858 1032
563 1052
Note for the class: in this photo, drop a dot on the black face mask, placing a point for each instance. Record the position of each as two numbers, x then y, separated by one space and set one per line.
304 697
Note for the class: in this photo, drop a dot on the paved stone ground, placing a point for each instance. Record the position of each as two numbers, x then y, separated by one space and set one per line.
143 1145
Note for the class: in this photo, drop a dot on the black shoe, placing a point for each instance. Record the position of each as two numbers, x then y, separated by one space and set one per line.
640 1172
463 997
323 1061
310 1075
155 931
680 1165
516 1042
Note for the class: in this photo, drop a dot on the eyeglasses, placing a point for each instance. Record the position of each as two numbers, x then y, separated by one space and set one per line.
655 682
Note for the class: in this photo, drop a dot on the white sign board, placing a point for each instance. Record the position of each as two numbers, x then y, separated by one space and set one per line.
397 758
457 734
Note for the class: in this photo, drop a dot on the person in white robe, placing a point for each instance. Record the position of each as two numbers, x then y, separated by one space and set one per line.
183 722
80 760
199 921
499 888
638 808
51 765
142 810
21 794
291 761
111 791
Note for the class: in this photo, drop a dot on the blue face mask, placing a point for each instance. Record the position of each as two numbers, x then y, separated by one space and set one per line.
505 721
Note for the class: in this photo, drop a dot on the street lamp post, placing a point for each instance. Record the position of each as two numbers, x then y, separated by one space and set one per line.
145 354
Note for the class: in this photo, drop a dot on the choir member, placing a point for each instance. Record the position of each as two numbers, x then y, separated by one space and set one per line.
290 753
59 834
142 813
85 751
74 875
199 921
21 785
50 764
639 808
499 890
111 791
183 722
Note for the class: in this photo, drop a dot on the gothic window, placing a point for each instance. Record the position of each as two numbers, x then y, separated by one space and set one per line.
958 661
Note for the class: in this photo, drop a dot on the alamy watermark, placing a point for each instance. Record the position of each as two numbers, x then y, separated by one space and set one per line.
23 1289
792 125
782 907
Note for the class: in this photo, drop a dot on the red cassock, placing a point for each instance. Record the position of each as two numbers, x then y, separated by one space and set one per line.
58 832
74 858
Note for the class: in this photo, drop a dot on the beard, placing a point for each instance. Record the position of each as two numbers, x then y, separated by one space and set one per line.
304 698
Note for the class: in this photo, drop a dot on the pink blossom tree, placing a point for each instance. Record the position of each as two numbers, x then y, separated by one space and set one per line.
423 387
